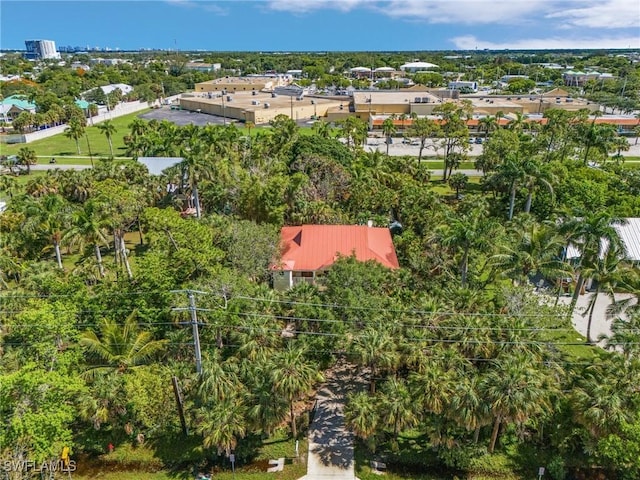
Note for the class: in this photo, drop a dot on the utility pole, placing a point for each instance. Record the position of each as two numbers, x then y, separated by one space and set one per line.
193 312
196 333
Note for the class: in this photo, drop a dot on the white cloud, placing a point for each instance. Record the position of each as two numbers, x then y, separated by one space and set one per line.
601 14
469 42
470 12
551 13
305 6
214 7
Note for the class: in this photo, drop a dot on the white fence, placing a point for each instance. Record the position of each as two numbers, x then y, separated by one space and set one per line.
120 110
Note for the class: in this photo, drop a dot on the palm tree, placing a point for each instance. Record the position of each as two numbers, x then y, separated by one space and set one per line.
536 175
397 406
607 271
293 376
8 185
265 410
388 129
27 157
515 391
48 214
217 382
465 232
589 233
195 166
604 395
108 128
488 123
374 348
534 251
361 415
120 347
458 181
87 225
75 130
322 129
221 425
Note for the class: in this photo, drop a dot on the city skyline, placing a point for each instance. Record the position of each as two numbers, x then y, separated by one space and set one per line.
324 25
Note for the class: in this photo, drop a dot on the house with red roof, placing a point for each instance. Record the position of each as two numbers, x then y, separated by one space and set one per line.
309 250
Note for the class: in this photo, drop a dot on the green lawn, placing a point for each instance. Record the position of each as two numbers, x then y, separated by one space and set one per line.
59 145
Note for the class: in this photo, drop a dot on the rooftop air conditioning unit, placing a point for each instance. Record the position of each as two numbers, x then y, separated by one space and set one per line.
274 95
266 105
229 98
254 93
255 102
418 100
425 99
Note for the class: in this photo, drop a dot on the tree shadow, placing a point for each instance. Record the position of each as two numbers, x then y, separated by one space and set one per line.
330 441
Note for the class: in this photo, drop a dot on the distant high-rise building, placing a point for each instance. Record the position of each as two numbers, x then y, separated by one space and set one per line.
41 49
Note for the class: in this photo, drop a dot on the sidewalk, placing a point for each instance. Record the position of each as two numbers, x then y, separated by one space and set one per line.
330 444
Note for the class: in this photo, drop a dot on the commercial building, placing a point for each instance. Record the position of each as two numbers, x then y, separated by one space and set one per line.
41 50
460 85
243 84
416 66
578 79
203 67
256 106
390 102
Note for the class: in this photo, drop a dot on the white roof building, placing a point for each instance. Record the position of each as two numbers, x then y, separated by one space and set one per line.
629 234
418 66
124 88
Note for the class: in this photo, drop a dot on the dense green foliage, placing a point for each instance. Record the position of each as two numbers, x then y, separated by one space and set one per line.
95 267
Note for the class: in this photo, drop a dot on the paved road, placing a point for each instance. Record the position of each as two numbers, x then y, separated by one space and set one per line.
55 166
600 325
330 444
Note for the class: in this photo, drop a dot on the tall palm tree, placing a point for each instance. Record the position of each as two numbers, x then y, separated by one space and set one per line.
264 409
108 129
196 165
27 157
607 271
218 381
592 235
120 347
536 175
88 225
487 123
48 214
293 376
75 130
388 129
533 251
466 232
515 390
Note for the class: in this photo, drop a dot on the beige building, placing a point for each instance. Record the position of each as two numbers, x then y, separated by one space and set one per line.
396 102
241 84
258 108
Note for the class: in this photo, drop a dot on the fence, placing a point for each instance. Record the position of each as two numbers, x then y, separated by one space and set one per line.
120 110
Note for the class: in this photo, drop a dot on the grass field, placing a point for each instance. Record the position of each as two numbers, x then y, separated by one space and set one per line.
59 145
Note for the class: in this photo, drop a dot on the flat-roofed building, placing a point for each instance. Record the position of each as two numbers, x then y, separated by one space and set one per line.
393 102
416 66
241 84
460 85
257 107
203 67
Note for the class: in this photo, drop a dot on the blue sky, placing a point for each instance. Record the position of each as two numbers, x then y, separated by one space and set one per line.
324 25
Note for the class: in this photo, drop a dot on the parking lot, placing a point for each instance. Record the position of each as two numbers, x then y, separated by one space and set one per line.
185 117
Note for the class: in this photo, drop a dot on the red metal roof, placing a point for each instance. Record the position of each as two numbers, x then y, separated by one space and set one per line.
315 247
